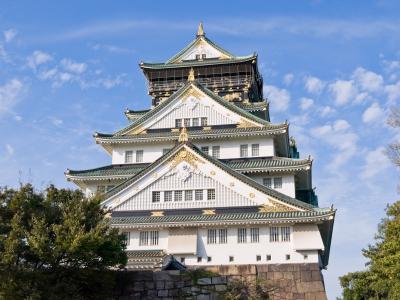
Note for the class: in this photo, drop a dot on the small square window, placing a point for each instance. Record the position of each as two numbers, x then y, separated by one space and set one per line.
139 155
255 149
188 195
196 122
199 259
203 121
128 157
197 56
198 195
203 56
167 196
267 182
268 257
178 123
186 122
210 194
101 189
287 256
182 260
258 257
231 259
156 197
209 258
305 256
205 149
178 195
165 151
277 182
243 150
216 151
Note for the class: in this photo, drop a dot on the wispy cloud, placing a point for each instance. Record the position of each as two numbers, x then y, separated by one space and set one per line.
10 94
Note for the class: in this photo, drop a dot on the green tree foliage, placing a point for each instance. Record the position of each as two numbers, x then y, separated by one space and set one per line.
382 278
56 244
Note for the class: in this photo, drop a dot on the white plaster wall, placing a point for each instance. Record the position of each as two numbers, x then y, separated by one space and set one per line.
243 253
228 149
91 187
288 183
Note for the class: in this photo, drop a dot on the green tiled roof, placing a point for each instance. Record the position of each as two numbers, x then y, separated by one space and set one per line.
217 98
145 253
319 214
252 106
194 134
243 165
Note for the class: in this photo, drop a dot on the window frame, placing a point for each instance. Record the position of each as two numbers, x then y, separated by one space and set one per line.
255 149
139 156
244 151
129 156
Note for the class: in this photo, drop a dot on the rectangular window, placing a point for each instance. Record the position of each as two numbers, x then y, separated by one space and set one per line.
274 234
156 197
144 238
189 195
231 258
258 257
167 196
198 195
267 182
178 123
196 122
211 236
277 182
199 258
209 258
139 155
243 150
178 195
165 151
215 151
223 236
154 238
127 236
205 149
242 235
287 256
101 189
128 157
285 234
255 149
203 121
210 194
182 260
197 56
186 122
268 257
254 235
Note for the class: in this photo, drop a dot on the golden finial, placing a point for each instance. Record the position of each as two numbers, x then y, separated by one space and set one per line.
183 136
191 75
200 30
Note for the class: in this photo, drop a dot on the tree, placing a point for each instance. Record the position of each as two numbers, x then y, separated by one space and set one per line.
56 244
381 280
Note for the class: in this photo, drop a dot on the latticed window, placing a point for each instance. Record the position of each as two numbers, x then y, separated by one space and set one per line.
277 182
144 238
223 236
167 196
254 235
205 149
243 151
178 195
242 235
196 121
156 197
211 236
186 122
165 151
153 238
274 234
285 234
188 195
216 151
139 155
255 149
267 182
128 156
101 189
198 195
204 122
127 236
178 123
211 194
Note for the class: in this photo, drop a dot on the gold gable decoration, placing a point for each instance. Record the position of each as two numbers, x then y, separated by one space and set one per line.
183 136
200 30
184 155
275 207
191 75
243 123
209 212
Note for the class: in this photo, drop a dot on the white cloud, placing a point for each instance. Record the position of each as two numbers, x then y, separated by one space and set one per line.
38 58
306 103
56 121
314 85
279 98
3 54
10 149
368 80
18 118
373 113
9 35
9 94
288 78
393 91
340 125
343 91
73 67
376 161
112 48
326 110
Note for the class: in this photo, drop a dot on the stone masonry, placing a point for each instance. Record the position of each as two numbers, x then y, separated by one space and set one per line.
288 281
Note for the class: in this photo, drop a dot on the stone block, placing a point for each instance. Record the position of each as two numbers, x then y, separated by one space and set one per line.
218 280
316 276
278 275
179 284
149 285
203 297
305 276
204 281
161 275
262 268
220 287
162 293
174 272
169 284
173 293
298 296
160 284
138 286
288 275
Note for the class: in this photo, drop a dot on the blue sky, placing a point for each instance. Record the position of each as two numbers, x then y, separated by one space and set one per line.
331 68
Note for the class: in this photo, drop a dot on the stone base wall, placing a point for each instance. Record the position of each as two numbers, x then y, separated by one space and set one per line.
285 281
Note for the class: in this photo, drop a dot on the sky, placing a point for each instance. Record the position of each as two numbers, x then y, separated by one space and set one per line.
331 68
